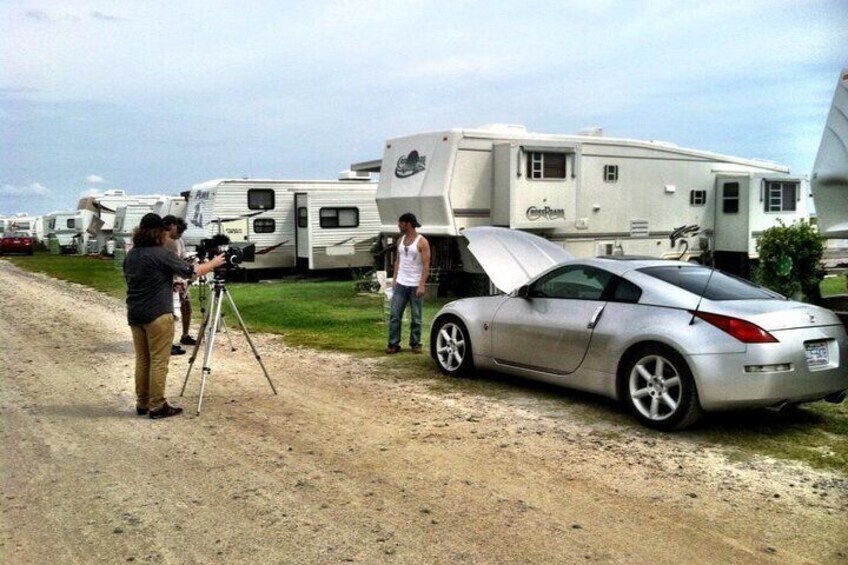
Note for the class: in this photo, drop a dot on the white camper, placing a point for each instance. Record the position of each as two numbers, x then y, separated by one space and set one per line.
61 231
294 223
97 216
594 195
172 206
830 172
127 219
20 223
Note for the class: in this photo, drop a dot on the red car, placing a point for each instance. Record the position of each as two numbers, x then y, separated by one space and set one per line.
17 242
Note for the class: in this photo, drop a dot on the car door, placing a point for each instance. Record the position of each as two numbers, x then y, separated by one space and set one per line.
550 326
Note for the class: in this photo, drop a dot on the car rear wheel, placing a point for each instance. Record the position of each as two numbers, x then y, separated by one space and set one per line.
659 389
452 347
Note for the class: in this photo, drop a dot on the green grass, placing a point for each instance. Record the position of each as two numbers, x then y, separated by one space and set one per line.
833 285
331 315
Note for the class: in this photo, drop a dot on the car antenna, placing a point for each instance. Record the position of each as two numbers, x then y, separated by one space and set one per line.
700 298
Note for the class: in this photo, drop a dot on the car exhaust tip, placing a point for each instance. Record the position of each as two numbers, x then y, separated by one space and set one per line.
779 407
836 397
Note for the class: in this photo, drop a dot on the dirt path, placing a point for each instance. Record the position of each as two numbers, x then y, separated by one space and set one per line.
352 463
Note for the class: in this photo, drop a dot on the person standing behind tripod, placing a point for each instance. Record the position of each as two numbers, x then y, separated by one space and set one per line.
411 270
149 270
176 227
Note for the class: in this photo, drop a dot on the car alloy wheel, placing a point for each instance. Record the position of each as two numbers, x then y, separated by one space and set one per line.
452 347
660 389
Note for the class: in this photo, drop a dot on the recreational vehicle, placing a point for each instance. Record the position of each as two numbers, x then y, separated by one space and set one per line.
172 206
591 194
294 223
20 223
127 219
97 216
61 231
830 173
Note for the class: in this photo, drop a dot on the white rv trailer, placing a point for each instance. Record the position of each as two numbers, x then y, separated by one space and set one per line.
97 216
594 195
127 218
172 206
60 231
830 172
20 223
310 224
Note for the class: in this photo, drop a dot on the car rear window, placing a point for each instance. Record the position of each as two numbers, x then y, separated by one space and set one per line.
714 285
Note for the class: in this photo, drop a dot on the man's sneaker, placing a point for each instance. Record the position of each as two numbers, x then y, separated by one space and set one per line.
165 412
188 340
140 411
416 349
177 350
392 349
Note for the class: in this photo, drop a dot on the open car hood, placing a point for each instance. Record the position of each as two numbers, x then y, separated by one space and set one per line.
512 258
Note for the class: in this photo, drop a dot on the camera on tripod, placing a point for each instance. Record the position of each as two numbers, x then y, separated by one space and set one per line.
235 253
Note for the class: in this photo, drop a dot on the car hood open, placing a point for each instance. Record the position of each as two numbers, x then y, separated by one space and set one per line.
512 258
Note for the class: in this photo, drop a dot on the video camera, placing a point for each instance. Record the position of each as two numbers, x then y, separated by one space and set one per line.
235 253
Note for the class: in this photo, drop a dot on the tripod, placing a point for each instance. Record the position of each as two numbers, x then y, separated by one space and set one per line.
209 329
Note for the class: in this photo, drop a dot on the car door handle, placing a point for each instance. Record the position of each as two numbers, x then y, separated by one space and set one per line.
595 317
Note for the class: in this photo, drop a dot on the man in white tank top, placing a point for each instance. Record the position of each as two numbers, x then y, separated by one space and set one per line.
412 266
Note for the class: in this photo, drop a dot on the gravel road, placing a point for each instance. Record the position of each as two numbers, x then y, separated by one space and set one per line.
355 461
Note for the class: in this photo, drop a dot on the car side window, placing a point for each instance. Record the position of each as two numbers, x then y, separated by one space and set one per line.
576 282
624 291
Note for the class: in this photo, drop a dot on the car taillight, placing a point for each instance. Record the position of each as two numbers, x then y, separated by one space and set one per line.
746 332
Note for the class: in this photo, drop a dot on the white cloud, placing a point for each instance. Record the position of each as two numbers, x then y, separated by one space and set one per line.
94 179
34 189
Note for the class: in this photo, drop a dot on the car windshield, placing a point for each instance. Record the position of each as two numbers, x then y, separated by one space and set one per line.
712 284
17 234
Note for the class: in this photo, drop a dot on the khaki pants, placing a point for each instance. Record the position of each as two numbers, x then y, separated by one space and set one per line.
152 342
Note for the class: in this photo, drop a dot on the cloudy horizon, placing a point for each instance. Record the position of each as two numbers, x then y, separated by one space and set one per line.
154 97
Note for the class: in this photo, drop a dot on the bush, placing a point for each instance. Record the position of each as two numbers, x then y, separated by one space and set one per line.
790 260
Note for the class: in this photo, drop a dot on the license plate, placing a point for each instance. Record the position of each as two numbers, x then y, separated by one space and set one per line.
816 354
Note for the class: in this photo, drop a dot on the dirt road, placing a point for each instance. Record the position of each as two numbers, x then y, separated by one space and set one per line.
353 462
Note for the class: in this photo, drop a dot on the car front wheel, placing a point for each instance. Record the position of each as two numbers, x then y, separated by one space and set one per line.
659 389
452 347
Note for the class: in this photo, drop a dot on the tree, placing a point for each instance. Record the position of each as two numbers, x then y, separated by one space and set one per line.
790 260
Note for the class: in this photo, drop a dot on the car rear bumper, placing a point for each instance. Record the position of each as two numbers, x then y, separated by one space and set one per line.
772 373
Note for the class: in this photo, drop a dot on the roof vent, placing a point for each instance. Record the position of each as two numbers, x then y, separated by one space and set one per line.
354 175
592 132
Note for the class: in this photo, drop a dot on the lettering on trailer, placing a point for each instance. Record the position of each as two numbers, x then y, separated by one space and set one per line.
534 213
409 165
197 217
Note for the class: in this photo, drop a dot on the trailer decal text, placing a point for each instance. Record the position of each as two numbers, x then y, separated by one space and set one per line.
534 213
410 164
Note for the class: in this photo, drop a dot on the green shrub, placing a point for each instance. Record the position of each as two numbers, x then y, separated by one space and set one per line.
790 260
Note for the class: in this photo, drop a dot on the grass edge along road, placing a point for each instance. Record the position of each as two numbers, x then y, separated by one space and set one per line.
332 315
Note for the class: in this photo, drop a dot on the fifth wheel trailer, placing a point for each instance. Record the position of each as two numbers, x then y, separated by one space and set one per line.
830 172
592 194
306 224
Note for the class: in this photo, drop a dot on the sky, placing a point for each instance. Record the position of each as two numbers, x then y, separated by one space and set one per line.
156 96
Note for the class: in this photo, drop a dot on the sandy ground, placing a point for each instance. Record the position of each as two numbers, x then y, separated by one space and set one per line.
354 462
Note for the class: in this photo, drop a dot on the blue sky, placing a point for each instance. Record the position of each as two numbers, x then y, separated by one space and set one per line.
153 96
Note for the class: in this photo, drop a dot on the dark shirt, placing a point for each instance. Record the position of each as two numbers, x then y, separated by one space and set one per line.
149 272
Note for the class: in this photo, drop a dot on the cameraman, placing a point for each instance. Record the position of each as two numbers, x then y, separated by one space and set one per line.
149 270
174 243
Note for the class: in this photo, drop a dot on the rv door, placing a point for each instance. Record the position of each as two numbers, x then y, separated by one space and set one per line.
731 214
301 232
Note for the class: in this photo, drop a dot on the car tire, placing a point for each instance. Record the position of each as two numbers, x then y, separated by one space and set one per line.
452 347
658 388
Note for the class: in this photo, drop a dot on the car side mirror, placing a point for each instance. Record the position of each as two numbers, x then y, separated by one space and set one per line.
523 291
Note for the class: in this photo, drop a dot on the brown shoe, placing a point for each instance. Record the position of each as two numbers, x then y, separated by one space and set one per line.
392 349
165 412
416 349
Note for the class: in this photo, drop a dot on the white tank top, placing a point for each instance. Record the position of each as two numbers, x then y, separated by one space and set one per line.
410 265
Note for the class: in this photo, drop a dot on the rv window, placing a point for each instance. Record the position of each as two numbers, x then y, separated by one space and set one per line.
697 197
260 199
730 198
610 173
781 196
339 217
542 166
302 217
71 223
264 225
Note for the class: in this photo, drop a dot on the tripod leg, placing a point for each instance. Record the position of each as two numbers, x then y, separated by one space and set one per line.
211 331
200 331
250 341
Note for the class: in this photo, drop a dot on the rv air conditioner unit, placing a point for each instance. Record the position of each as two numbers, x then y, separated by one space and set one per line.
354 175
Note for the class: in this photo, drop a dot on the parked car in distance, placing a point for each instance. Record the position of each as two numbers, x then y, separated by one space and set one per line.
17 242
668 339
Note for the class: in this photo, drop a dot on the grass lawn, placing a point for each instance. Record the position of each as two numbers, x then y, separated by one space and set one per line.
332 315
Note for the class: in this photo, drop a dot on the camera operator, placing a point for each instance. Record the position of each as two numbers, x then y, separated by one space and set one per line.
149 270
174 243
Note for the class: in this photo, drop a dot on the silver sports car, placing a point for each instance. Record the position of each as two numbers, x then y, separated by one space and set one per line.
668 339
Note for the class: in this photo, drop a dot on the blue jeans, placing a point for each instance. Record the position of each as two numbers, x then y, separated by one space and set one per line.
402 296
